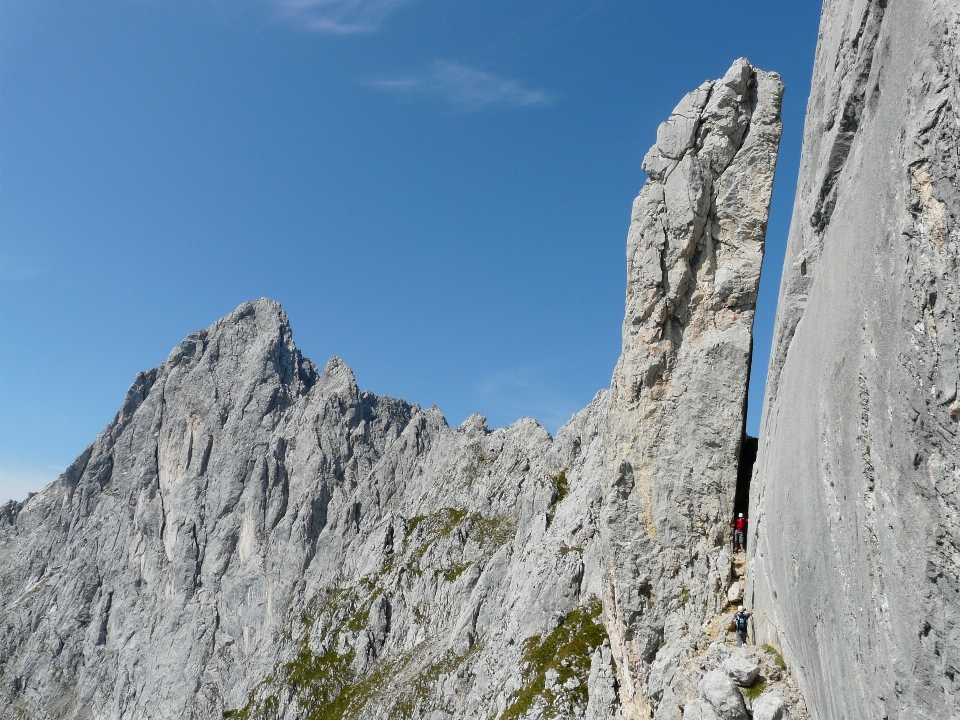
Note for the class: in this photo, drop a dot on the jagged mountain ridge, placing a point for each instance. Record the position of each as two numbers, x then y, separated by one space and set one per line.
323 494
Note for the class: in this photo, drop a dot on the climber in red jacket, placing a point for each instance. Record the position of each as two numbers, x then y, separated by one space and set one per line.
740 533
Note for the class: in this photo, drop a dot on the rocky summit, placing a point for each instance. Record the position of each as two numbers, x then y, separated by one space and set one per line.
252 537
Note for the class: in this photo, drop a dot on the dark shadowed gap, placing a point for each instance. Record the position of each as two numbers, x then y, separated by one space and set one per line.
748 456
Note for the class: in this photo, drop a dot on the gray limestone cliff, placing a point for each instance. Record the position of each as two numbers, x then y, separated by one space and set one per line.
854 549
254 538
678 398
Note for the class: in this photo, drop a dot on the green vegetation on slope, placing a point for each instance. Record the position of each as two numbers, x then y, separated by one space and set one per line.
562 487
753 692
777 657
322 684
325 685
567 652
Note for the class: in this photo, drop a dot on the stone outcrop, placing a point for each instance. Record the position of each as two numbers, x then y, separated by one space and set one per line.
854 563
741 669
747 682
726 702
678 398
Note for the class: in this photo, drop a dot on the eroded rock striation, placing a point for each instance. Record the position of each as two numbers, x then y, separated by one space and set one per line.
678 398
854 546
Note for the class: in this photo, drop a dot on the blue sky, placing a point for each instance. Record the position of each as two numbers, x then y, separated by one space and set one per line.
437 192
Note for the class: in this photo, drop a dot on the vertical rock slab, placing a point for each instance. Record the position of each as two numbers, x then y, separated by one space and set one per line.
854 563
678 396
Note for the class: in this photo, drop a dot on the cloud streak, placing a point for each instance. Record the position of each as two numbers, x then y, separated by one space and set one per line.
337 17
464 87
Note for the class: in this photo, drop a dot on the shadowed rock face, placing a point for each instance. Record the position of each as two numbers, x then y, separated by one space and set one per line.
677 402
854 546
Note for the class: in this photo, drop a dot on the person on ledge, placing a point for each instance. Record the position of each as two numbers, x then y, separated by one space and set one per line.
740 533
740 623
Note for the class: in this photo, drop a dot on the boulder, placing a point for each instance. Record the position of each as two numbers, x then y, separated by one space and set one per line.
768 706
741 668
698 709
723 696
718 652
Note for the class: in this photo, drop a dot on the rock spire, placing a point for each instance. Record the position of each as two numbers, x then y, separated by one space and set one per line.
678 398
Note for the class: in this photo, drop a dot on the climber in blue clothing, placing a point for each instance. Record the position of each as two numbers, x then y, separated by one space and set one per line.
740 621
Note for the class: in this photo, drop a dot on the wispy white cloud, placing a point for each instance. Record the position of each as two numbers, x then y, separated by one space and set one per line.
337 17
465 87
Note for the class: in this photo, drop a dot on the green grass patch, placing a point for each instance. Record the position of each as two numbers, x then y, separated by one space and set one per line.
489 533
450 518
777 657
753 692
561 488
414 522
436 526
323 685
478 465
452 573
567 650
562 485
495 532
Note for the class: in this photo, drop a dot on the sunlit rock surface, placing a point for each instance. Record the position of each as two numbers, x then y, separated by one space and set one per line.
254 538
854 562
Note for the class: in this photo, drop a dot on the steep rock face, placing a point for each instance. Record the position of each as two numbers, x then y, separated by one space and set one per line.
854 546
253 537
677 402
